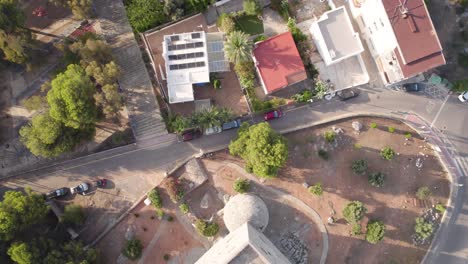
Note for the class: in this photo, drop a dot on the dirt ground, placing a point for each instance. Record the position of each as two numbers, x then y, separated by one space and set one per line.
394 203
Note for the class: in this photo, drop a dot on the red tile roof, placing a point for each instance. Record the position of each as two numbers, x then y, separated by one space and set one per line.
279 62
419 47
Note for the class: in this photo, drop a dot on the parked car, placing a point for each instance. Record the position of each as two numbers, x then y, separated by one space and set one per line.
232 124
347 94
463 97
273 115
101 183
412 87
213 130
57 193
190 134
82 189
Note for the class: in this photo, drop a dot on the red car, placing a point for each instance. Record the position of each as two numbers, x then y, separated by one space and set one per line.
190 134
273 115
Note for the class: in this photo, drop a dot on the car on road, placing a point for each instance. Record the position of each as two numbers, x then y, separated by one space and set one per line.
56 193
347 94
412 87
463 97
273 115
190 134
82 189
232 124
213 130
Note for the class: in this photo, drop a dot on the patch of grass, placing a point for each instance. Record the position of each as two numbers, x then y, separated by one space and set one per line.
391 129
408 135
184 208
241 185
440 208
357 146
250 24
323 154
260 38
373 125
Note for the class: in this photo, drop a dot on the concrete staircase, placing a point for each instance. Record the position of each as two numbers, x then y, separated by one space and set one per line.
148 125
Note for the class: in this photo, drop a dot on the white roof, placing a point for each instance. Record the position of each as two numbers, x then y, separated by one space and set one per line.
186 57
335 37
236 243
245 208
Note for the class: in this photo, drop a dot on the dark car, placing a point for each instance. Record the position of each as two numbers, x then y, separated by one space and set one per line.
412 87
82 189
232 124
347 94
57 193
190 134
272 115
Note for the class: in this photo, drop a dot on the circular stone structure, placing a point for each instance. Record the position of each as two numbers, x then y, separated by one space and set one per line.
244 208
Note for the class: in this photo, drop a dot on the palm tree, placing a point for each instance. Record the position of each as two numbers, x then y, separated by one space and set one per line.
238 47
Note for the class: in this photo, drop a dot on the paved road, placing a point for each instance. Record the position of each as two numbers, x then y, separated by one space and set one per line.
129 165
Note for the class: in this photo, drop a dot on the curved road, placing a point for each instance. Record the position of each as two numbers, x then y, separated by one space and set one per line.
155 157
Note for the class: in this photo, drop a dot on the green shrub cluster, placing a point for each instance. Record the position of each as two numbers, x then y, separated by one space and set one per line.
375 231
316 189
260 38
206 229
423 193
440 208
356 229
373 125
241 185
184 208
391 129
423 228
359 166
155 198
387 153
133 249
354 212
323 154
329 136
376 179
303 97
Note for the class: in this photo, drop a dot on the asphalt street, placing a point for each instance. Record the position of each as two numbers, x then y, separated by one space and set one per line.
136 166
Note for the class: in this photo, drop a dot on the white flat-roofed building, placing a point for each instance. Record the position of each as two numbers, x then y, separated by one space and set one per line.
335 37
187 62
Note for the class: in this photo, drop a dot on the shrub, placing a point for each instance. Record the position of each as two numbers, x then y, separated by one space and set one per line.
73 214
216 84
391 129
297 34
241 185
376 179
375 231
316 189
206 229
173 189
166 257
408 135
357 146
155 198
329 136
373 125
170 218
356 229
387 153
159 213
323 154
260 38
423 228
226 23
440 208
133 249
184 208
302 97
423 192
354 211
252 7
359 166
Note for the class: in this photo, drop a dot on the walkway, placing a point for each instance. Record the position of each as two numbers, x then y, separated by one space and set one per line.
144 114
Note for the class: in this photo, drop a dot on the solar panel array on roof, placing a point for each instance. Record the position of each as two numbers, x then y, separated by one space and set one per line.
186 65
186 56
175 38
185 46
196 35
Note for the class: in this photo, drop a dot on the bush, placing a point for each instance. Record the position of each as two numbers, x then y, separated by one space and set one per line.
391 129
356 229
302 97
329 136
460 86
159 213
155 198
357 146
440 208
241 185
170 218
260 38
206 229
252 7
216 84
359 166
373 125
375 232
387 153
408 135
354 211
73 214
173 189
226 23
184 208
423 228
376 179
316 189
423 193
297 34
133 249
323 154
166 257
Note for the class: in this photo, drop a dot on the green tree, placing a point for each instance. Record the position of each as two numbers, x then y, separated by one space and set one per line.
155 198
211 117
35 102
91 49
359 166
423 228
376 179
423 193
74 215
262 148
238 47
145 14
252 7
316 189
16 42
47 137
81 9
241 185
205 228
375 231
22 253
71 98
387 153
20 210
103 73
354 212
133 249
226 23
109 100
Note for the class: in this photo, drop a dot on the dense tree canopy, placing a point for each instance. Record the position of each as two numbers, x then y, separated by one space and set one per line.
262 148
71 98
81 9
20 210
354 212
145 14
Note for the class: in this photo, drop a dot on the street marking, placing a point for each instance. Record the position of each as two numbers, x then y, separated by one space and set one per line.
440 110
